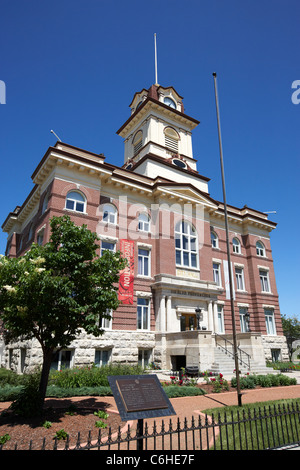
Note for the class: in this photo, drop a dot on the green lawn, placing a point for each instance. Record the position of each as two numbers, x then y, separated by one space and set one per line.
256 426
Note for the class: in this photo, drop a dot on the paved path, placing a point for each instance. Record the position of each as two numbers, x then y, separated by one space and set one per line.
188 407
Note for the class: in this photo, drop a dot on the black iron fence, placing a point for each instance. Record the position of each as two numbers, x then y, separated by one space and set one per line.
270 427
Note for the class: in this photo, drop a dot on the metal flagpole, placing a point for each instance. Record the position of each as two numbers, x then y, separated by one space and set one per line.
228 250
155 50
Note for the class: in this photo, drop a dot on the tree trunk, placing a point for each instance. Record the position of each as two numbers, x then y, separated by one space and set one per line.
47 358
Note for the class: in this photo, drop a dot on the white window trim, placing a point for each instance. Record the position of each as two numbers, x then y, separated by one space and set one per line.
242 276
189 251
109 320
113 242
59 357
219 272
143 222
239 245
114 212
148 312
101 350
142 352
243 323
216 239
220 305
261 268
38 232
264 249
273 321
74 210
149 262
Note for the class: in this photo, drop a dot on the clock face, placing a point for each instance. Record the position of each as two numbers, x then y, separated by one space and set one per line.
170 102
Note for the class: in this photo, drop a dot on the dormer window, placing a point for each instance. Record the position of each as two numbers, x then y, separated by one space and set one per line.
171 139
169 102
137 143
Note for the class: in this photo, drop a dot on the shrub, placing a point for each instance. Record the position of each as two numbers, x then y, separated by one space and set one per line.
219 384
9 392
245 382
269 380
8 377
90 376
60 392
173 391
28 402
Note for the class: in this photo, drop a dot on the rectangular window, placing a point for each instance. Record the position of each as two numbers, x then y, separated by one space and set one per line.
217 273
264 280
40 237
144 357
244 319
110 246
270 321
143 314
61 360
102 357
106 323
143 262
239 275
220 326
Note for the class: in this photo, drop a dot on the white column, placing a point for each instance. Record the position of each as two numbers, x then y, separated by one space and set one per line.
163 314
216 321
210 316
168 322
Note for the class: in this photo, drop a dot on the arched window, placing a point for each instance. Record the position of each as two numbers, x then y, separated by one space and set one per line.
236 245
186 245
214 240
110 214
144 222
169 102
75 201
260 249
137 142
171 139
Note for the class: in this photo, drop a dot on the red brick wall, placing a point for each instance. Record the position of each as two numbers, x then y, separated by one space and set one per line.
163 254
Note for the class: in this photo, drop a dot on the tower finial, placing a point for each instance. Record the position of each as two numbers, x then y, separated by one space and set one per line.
155 50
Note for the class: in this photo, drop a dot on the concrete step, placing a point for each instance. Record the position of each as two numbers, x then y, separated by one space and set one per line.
224 363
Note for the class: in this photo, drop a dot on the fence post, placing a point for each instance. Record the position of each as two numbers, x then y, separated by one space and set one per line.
140 433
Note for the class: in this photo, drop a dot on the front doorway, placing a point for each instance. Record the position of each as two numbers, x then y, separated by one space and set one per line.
188 321
178 362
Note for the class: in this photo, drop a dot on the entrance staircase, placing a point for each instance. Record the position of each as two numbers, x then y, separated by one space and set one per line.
224 361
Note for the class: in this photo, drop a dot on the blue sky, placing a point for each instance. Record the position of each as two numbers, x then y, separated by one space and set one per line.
74 66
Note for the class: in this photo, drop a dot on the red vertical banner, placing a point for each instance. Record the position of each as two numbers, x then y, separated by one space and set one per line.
127 275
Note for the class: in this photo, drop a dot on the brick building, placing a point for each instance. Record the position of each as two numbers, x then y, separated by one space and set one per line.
158 209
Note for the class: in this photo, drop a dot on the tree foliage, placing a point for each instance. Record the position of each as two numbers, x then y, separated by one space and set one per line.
291 330
56 290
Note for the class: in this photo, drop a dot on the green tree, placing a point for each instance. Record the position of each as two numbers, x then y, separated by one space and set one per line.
291 330
56 290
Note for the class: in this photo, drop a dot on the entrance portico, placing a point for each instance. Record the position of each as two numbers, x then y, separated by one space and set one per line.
186 318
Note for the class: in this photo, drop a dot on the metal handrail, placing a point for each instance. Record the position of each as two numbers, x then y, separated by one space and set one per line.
239 350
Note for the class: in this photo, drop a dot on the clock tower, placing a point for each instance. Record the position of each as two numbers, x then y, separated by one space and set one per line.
158 135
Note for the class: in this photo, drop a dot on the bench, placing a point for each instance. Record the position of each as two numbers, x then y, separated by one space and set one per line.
192 370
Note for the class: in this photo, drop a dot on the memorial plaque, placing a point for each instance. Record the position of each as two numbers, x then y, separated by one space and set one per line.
140 396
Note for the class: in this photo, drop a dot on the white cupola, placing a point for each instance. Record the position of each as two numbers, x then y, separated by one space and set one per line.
158 135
